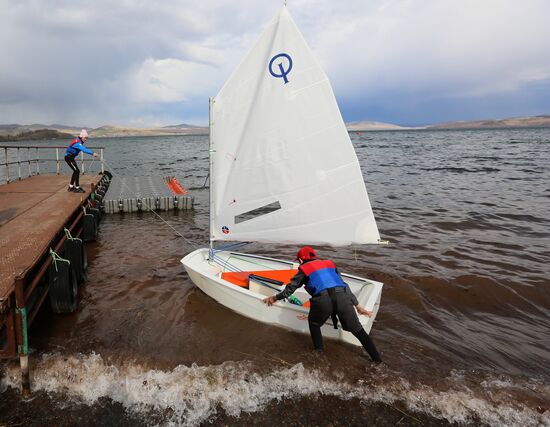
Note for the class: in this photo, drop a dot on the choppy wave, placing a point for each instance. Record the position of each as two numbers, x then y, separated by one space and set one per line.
194 394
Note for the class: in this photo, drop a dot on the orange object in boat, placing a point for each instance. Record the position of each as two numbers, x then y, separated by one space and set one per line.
241 278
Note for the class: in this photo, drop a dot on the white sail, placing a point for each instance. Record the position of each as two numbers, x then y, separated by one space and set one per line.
284 169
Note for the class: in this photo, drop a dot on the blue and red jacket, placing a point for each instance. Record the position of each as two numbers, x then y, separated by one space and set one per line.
316 276
322 275
75 147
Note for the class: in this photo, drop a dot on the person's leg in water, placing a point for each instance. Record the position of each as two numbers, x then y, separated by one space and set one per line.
347 315
368 345
319 311
316 336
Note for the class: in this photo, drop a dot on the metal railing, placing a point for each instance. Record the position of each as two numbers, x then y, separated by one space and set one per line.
33 163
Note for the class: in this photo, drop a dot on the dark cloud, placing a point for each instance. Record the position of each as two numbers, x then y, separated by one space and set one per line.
140 62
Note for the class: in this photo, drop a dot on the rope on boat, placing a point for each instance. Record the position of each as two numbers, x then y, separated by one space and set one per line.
232 246
293 300
207 177
226 264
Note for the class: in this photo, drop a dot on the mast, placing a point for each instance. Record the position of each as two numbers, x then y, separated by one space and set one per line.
211 159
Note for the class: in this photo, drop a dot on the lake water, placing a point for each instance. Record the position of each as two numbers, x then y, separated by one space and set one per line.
463 328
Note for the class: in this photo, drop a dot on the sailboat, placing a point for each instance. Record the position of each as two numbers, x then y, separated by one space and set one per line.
282 170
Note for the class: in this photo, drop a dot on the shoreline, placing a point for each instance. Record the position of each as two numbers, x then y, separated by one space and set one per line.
298 411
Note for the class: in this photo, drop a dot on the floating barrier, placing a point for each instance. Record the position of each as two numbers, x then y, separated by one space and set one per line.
74 251
63 285
137 194
89 227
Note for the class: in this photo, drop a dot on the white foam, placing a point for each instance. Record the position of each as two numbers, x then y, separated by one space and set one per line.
192 394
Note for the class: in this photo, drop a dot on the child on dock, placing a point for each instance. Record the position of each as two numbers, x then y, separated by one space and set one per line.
73 150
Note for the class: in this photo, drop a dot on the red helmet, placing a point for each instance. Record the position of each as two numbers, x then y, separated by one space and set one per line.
306 253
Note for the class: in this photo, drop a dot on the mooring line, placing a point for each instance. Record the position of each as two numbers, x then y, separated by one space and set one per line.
90 167
148 207
206 180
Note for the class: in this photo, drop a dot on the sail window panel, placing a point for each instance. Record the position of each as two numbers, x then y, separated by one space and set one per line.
255 213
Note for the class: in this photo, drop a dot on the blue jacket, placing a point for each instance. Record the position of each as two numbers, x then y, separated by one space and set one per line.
75 147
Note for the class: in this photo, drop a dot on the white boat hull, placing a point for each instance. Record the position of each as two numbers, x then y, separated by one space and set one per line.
206 274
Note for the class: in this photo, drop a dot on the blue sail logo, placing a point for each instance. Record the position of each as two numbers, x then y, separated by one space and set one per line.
284 66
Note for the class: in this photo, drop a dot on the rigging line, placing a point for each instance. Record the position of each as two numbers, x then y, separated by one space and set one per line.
267 267
90 167
207 177
148 207
231 246
225 264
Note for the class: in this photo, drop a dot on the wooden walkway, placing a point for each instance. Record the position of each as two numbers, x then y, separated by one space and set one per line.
32 212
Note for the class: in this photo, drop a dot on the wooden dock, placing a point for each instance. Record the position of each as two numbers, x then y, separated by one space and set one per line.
33 215
32 212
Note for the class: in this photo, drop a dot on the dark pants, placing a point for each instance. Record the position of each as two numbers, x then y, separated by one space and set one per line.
322 308
76 172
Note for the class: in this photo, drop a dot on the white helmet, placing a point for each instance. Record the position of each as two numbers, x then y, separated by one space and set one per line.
83 133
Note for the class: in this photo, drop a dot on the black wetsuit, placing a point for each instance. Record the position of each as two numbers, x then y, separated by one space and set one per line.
76 172
322 307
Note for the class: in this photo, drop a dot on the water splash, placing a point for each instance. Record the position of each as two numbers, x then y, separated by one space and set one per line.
194 394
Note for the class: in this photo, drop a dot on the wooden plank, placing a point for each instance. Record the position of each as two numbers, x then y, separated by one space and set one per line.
35 209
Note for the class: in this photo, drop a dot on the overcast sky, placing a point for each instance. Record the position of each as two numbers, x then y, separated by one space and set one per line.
142 63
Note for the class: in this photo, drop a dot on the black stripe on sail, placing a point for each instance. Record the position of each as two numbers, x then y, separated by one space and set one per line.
255 213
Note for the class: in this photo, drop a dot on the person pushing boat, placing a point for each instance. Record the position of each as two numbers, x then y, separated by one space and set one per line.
270 175
72 151
330 297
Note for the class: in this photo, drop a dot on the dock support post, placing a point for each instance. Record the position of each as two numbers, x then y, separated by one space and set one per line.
22 337
7 165
18 163
29 160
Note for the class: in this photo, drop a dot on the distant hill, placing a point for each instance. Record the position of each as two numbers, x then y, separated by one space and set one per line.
369 125
37 126
116 131
35 134
531 122
16 129
63 127
13 132
182 126
10 126
534 121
